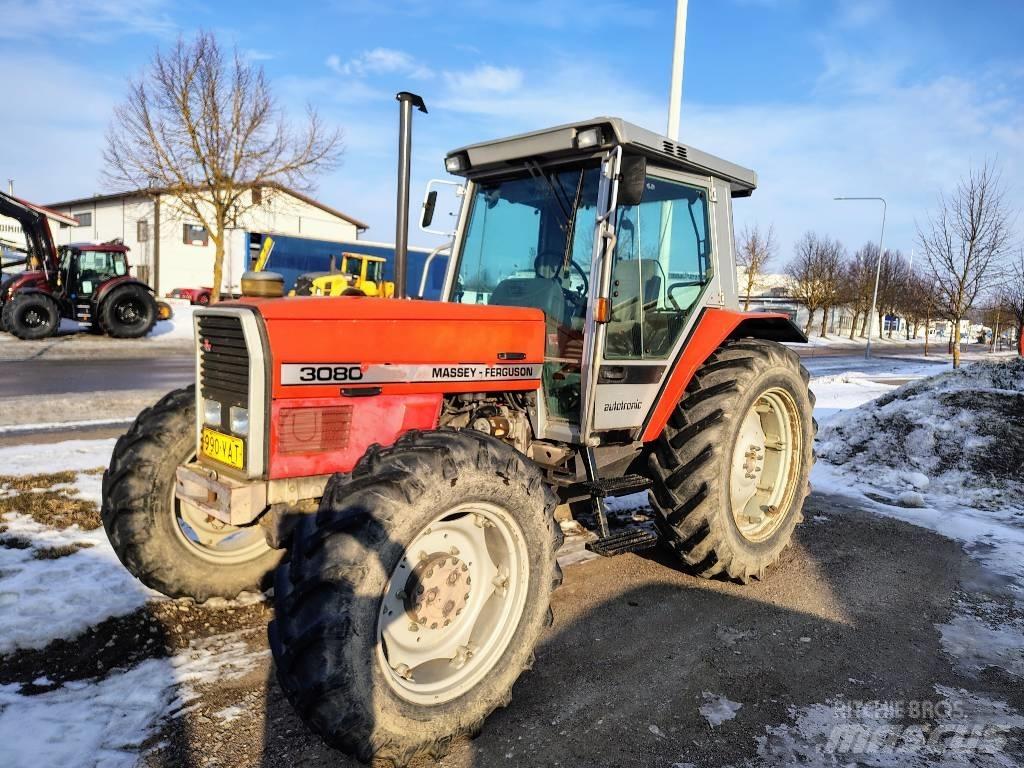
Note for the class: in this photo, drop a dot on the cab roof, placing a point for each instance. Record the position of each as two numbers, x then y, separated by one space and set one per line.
561 142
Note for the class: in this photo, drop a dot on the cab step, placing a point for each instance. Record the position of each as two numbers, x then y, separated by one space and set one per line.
628 540
613 486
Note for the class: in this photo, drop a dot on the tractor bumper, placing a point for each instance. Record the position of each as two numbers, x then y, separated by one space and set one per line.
240 502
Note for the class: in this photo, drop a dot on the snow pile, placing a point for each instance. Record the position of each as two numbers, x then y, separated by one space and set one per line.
960 434
178 327
945 453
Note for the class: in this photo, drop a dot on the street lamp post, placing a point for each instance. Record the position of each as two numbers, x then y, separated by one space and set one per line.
878 269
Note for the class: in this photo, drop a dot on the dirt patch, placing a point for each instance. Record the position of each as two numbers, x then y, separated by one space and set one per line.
50 499
55 553
157 630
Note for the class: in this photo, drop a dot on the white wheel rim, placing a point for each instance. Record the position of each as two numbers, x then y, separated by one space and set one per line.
453 603
764 464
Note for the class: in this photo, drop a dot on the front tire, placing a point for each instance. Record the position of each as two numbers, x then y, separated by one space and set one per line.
165 544
732 468
128 312
31 316
396 627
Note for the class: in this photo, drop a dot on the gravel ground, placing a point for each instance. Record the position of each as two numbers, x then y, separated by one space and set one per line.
637 649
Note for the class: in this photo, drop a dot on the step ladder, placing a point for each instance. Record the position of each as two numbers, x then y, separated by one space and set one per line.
607 544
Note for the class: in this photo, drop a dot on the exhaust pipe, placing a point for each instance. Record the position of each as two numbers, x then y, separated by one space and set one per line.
406 102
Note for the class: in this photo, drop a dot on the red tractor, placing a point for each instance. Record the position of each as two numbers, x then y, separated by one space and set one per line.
399 463
84 282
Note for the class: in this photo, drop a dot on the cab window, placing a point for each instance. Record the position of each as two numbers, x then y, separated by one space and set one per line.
662 263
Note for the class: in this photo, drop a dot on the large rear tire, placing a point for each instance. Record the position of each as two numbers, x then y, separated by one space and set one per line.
127 313
31 316
410 604
168 546
731 469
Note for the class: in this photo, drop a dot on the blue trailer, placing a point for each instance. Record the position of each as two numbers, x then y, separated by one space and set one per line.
293 256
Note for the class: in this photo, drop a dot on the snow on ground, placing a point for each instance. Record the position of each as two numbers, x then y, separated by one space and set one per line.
716 708
104 723
178 327
43 599
72 455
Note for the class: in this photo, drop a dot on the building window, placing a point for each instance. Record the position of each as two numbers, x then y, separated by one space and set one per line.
257 195
195 234
84 218
142 230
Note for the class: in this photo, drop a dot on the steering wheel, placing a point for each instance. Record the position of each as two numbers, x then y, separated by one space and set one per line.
684 284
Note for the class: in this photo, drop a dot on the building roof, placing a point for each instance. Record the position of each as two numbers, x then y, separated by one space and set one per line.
163 191
49 212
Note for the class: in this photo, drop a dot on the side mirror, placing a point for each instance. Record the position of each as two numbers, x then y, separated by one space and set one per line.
632 179
428 208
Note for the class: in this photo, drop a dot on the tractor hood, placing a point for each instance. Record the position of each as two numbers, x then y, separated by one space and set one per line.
399 345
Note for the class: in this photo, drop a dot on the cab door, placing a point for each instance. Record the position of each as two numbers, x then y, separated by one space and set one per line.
660 273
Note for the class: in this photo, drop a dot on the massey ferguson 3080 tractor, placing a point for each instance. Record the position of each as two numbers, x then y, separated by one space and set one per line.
399 462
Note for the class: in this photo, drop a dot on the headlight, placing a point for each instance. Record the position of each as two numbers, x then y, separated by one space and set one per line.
211 412
239 418
456 163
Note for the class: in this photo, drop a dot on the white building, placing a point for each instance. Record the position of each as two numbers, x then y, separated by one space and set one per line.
170 249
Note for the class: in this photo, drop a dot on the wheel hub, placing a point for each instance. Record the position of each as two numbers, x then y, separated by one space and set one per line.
438 591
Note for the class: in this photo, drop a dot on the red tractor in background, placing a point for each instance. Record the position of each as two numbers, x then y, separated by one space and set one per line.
85 282
401 463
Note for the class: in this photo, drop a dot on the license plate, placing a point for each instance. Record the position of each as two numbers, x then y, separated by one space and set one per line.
223 448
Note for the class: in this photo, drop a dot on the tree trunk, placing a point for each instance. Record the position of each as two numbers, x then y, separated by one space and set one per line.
927 323
1020 340
853 324
881 326
218 265
864 324
824 321
810 320
954 341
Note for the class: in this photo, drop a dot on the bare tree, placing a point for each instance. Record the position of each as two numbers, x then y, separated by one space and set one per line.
753 252
962 241
892 283
859 283
817 274
1013 297
204 128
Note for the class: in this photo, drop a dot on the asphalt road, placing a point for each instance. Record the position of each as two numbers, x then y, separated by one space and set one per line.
61 377
162 368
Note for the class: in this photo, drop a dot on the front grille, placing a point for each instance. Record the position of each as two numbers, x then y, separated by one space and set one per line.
223 360
314 430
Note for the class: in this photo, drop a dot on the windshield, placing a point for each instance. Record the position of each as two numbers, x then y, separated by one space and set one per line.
515 248
98 264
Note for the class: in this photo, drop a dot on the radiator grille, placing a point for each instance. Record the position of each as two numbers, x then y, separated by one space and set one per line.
314 430
223 360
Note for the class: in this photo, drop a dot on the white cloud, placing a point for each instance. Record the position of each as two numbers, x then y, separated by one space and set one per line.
380 61
485 79
92 20
855 14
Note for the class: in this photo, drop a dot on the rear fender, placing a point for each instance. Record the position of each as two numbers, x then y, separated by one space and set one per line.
714 327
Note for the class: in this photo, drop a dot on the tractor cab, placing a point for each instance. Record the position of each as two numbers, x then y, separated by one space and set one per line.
84 268
619 236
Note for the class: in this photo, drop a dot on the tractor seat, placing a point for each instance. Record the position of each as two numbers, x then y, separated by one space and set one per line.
537 292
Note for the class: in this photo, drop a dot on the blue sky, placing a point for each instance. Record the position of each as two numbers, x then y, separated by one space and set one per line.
858 97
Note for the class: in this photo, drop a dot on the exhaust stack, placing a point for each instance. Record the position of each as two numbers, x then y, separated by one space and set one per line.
406 102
